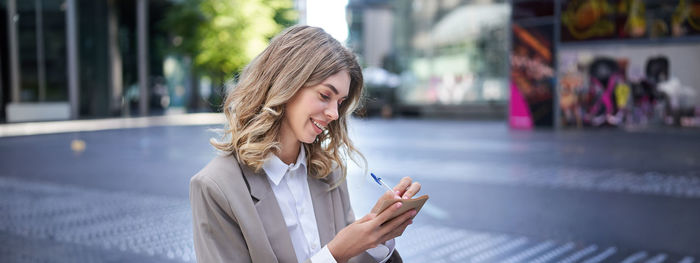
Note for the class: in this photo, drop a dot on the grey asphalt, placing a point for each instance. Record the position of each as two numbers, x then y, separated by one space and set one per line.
496 195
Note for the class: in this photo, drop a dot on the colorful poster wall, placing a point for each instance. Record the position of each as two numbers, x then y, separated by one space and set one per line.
629 86
532 77
584 20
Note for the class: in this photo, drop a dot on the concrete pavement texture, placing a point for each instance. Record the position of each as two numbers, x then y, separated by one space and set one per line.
496 195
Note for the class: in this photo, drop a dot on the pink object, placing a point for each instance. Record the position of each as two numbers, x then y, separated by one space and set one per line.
519 117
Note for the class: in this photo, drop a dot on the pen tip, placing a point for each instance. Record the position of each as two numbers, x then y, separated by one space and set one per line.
376 179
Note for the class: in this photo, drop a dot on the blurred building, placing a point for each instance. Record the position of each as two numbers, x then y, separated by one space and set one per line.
550 63
66 59
450 56
70 59
604 63
371 28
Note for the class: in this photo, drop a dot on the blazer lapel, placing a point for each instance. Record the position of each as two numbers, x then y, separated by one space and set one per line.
270 215
323 209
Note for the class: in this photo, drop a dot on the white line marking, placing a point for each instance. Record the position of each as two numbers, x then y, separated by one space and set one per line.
658 258
580 254
476 249
602 256
636 257
462 244
434 237
529 252
554 253
499 250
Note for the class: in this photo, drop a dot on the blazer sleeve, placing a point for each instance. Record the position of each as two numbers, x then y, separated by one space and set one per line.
217 234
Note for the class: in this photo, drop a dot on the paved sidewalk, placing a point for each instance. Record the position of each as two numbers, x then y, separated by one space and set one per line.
59 223
51 127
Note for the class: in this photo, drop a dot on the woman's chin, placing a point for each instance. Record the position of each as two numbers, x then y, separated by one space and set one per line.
309 139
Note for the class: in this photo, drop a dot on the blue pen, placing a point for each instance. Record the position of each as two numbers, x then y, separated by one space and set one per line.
380 182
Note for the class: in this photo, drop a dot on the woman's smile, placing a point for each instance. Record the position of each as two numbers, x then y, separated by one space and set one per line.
318 127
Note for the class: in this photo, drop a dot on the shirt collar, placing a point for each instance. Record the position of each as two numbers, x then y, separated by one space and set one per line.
276 168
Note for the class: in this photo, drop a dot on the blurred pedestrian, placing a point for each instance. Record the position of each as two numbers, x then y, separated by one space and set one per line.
278 192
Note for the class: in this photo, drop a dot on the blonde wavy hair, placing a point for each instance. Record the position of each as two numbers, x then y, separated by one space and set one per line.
299 57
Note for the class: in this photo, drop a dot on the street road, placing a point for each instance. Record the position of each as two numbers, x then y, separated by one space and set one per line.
496 195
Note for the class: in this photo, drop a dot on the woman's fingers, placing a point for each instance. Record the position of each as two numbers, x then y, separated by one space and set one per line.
411 191
388 195
401 187
397 231
397 223
406 188
385 215
366 218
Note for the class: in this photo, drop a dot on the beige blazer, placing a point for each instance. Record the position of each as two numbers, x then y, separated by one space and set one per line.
236 217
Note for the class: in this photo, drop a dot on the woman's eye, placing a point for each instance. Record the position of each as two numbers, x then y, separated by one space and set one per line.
324 97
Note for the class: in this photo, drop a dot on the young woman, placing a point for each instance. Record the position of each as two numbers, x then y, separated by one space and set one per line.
278 193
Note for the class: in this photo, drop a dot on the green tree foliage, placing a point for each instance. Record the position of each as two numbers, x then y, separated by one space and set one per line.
222 36
285 15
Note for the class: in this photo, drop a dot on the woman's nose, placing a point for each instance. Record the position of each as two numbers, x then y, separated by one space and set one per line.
332 111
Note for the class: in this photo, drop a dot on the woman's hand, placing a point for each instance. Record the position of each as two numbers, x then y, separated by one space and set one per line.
370 230
406 188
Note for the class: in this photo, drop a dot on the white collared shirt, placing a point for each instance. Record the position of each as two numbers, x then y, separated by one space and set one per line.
291 188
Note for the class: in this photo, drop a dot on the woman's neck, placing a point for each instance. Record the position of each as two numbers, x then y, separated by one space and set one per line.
290 147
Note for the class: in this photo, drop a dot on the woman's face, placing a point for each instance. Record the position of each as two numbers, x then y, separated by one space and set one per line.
310 111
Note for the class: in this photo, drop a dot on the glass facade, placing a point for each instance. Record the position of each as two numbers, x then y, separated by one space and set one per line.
452 52
41 49
35 34
41 53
